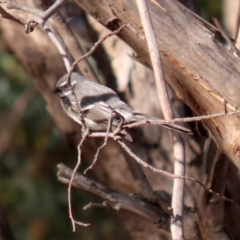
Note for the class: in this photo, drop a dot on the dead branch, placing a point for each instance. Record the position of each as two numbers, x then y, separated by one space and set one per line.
114 199
137 205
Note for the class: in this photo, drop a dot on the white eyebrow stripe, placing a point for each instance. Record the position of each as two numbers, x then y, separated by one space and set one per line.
62 84
74 82
65 93
65 82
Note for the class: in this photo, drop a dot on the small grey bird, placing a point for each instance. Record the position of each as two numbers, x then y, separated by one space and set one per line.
97 103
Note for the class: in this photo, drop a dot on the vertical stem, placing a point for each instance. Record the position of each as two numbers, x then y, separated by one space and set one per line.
178 144
155 59
178 188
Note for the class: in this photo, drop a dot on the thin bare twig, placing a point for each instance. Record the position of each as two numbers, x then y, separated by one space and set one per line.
103 145
56 42
50 11
142 184
36 12
155 58
182 120
73 45
68 37
44 25
178 146
171 175
178 187
116 200
70 185
84 128
103 135
94 205
90 52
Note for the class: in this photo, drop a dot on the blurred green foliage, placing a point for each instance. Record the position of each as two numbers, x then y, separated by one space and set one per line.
209 9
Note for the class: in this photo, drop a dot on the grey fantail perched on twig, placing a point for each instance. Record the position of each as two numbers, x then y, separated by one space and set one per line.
96 104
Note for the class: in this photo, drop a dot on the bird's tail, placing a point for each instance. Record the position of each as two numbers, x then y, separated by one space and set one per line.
139 117
177 128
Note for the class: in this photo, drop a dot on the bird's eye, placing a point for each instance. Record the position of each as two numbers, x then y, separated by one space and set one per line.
65 86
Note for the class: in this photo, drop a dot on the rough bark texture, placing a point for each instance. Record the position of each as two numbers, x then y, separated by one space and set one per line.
201 71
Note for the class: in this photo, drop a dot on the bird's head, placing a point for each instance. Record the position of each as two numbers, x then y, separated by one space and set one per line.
65 87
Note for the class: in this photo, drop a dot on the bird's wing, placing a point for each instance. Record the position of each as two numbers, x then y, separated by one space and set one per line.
98 116
131 116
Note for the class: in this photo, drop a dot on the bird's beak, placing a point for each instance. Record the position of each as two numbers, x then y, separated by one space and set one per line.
57 90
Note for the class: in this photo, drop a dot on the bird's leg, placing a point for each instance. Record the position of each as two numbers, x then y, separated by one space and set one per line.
81 117
120 125
85 131
103 145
